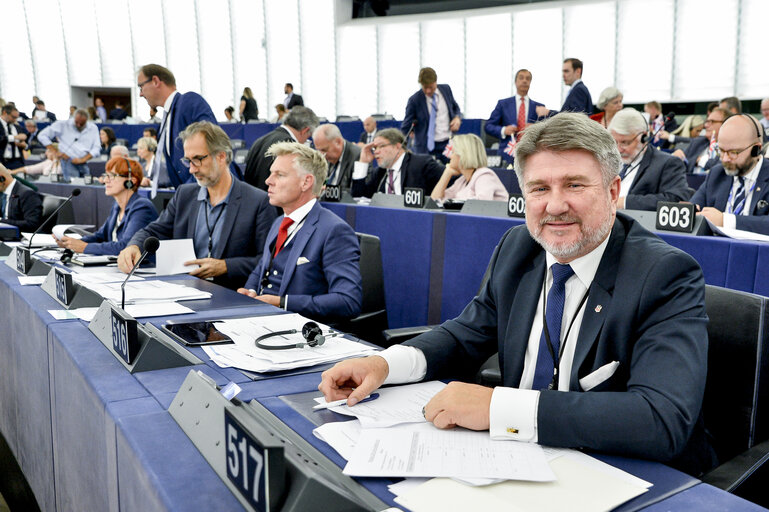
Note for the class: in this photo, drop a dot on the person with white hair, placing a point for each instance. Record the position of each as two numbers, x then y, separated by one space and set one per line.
610 102
648 175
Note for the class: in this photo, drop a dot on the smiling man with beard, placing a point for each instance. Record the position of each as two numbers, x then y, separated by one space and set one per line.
600 326
736 192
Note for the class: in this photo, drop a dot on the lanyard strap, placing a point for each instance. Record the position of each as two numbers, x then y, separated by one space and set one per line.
211 229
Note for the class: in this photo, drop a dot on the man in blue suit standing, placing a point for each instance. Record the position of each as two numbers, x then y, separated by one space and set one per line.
735 194
158 86
511 115
432 115
310 262
578 99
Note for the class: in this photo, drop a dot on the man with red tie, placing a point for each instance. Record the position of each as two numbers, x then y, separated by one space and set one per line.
310 263
511 115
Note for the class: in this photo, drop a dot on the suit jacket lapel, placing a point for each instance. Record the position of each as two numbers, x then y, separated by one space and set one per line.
233 205
762 188
297 246
642 166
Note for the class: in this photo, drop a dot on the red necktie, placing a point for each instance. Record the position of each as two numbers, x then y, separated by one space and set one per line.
282 234
521 118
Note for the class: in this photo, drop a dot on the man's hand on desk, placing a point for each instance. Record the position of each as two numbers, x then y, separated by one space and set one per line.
128 258
209 267
460 404
713 215
365 375
273 300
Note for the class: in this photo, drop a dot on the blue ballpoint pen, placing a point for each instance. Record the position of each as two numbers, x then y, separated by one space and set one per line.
319 407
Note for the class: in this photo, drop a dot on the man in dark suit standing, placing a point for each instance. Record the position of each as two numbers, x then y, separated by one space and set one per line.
226 219
12 138
432 115
735 194
297 126
702 153
578 99
158 86
20 206
511 115
118 113
292 100
566 311
398 168
340 154
648 175
311 259
369 130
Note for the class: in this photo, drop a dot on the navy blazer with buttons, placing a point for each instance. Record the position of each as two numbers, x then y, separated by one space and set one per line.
139 211
715 191
504 114
326 284
25 208
244 229
578 100
185 109
417 113
660 177
693 152
645 310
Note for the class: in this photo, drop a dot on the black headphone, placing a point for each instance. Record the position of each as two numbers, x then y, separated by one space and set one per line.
66 256
755 150
645 133
2 179
128 184
310 331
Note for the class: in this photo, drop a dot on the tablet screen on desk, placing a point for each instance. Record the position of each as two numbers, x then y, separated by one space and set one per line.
197 333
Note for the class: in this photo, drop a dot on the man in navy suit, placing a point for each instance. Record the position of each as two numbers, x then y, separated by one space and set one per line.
648 175
432 115
226 218
508 120
702 153
13 138
736 192
600 326
310 262
20 206
158 86
578 99
292 100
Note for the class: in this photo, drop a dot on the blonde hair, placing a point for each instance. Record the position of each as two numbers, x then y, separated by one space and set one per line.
307 161
469 147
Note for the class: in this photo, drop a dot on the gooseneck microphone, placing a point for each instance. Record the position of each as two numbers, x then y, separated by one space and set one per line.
75 193
151 245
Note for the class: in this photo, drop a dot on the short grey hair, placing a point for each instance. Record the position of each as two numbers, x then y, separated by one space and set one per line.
149 143
569 131
307 161
329 131
628 121
300 118
393 136
216 138
472 153
81 112
120 150
606 96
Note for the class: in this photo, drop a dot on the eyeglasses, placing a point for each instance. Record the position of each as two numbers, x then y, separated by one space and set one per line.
628 143
195 161
377 148
109 176
711 121
733 153
143 83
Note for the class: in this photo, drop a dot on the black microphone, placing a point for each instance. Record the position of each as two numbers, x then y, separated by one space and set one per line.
74 193
151 245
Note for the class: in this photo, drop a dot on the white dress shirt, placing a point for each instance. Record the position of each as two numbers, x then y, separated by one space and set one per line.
730 219
360 170
442 130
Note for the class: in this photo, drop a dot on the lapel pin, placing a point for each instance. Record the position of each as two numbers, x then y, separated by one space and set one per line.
598 308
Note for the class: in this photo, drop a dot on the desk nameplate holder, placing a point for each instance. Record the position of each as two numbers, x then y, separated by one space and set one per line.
206 416
150 350
486 208
5 250
34 266
79 296
648 219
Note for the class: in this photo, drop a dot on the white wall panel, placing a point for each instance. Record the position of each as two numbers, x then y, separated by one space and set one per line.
250 55
17 82
538 47
49 55
181 32
489 66
283 53
398 66
215 46
316 19
443 49
117 57
589 35
80 25
356 70
753 78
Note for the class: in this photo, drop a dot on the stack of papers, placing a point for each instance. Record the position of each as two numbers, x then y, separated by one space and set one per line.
40 240
103 277
244 353
145 292
135 310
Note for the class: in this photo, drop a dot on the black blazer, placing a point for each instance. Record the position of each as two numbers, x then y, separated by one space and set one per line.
660 177
417 171
693 152
19 160
257 162
25 208
296 100
245 227
350 155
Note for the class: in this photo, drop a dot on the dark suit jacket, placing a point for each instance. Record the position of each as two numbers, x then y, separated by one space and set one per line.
25 208
417 171
715 191
651 320
245 226
417 113
296 100
19 160
578 100
138 213
364 136
350 155
328 285
506 113
118 114
660 177
186 109
257 162
693 152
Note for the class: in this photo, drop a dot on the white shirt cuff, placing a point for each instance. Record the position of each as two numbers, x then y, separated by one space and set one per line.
406 364
672 138
730 221
502 133
513 414
359 170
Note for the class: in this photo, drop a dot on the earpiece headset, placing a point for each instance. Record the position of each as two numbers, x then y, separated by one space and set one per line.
756 149
128 184
645 133
311 332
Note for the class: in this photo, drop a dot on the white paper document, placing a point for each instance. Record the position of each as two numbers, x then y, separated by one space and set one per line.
31 280
75 230
40 240
246 355
146 292
88 276
171 255
737 234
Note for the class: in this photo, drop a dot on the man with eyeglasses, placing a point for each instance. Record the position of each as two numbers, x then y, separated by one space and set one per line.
735 194
702 153
398 168
226 219
158 86
339 153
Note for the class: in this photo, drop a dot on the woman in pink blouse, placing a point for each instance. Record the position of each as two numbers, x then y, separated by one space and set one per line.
476 181
45 167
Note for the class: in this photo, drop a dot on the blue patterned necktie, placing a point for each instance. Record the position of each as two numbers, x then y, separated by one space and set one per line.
431 124
738 204
543 374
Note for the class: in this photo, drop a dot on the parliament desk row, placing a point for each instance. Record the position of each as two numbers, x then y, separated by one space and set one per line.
433 261
88 435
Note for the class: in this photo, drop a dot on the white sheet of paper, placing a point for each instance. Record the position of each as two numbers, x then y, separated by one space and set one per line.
737 234
62 314
31 280
101 276
171 256
138 310
60 230
40 240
